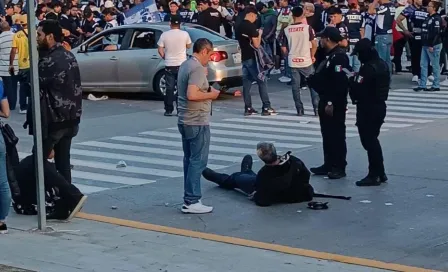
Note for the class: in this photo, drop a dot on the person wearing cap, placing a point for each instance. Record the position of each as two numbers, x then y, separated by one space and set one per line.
282 179
21 50
185 12
415 14
354 22
369 90
173 45
174 10
331 83
9 13
295 42
210 17
9 80
385 17
335 15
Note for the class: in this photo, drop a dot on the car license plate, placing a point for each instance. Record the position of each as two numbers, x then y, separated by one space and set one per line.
237 58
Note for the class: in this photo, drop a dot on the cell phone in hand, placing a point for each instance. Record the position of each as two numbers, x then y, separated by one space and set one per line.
347 72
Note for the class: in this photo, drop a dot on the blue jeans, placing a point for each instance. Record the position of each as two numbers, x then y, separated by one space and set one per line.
354 61
10 86
195 143
5 193
244 181
287 72
295 83
383 45
250 74
426 59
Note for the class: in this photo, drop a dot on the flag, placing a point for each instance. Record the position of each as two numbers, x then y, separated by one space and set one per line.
337 68
146 12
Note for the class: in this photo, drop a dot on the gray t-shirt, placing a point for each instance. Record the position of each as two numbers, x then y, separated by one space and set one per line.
195 113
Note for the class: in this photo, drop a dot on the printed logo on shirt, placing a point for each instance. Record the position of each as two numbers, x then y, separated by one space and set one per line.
298 60
360 79
338 68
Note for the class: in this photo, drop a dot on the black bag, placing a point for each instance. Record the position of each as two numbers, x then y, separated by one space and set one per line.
8 135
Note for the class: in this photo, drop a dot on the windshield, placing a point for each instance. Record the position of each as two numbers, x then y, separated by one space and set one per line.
197 32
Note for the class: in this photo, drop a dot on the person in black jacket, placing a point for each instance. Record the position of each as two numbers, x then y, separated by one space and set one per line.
331 83
210 18
432 46
283 179
369 91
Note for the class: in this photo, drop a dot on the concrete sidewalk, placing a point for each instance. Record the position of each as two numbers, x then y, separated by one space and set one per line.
84 245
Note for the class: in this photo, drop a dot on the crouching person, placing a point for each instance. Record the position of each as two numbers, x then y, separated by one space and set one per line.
283 179
68 200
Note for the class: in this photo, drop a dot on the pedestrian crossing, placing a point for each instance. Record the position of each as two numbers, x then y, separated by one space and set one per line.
152 156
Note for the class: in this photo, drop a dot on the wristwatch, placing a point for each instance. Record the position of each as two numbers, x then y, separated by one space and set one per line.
329 103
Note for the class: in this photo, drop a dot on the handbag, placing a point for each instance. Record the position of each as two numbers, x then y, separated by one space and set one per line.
8 134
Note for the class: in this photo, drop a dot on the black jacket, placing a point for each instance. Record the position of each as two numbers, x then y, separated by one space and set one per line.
287 182
211 18
432 30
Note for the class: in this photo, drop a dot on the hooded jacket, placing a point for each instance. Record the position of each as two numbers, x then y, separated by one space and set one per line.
269 24
287 182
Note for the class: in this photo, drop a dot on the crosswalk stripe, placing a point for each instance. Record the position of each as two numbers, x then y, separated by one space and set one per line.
156 150
276 129
273 123
223 140
125 157
315 120
441 93
88 189
127 169
219 148
412 99
266 136
411 93
417 109
417 104
109 178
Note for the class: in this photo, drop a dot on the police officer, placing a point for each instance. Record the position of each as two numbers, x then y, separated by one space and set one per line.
331 83
354 21
369 90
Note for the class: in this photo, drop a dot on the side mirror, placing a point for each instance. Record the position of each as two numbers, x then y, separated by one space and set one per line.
82 48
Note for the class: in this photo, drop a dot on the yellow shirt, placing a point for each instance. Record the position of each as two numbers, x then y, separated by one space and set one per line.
20 41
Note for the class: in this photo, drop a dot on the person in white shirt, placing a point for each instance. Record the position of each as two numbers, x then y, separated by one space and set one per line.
110 42
9 80
300 39
173 46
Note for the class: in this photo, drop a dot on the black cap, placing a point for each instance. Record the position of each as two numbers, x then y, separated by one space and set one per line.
260 5
297 12
186 2
362 45
334 10
331 33
9 5
175 20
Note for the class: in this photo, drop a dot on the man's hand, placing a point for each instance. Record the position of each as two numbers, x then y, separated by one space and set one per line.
431 49
11 69
329 110
408 34
313 59
215 93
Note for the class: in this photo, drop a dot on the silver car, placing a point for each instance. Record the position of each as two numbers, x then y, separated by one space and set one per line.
134 65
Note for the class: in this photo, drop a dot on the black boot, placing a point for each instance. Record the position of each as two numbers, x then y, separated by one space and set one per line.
369 181
246 163
336 173
383 178
220 179
320 171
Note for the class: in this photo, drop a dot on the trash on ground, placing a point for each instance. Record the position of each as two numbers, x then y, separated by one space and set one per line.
430 195
388 204
94 98
365 201
114 207
299 211
121 164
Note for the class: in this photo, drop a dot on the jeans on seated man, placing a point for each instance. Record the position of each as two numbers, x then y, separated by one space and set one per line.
70 199
283 179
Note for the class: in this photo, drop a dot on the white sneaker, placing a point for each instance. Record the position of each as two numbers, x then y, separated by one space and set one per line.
431 78
444 83
415 79
276 72
284 79
22 111
428 83
197 208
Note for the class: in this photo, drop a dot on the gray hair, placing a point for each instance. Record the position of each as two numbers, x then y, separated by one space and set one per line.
4 26
267 152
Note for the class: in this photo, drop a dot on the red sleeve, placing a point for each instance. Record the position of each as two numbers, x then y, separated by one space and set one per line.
312 35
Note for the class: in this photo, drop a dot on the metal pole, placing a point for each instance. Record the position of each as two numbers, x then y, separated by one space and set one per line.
37 125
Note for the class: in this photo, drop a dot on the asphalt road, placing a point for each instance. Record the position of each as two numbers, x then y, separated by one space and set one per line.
403 221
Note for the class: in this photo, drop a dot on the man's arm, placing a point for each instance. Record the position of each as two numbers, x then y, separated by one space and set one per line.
161 47
194 91
372 7
189 42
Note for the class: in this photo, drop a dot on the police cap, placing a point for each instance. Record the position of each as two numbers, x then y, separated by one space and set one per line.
331 33
362 46
334 10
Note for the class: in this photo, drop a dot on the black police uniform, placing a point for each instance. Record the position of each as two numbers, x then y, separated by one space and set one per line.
331 83
369 90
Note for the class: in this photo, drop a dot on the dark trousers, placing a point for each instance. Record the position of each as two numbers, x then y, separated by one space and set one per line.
171 82
61 141
10 86
369 122
333 135
416 51
398 52
244 181
25 88
229 30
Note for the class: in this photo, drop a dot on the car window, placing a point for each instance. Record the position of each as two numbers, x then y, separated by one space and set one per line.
145 39
197 32
110 41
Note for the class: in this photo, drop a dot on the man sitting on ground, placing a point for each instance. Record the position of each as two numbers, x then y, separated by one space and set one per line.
283 179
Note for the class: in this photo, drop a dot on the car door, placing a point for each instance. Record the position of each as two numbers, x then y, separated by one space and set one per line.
98 63
140 61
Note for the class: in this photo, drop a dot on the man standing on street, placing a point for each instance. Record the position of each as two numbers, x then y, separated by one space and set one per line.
20 48
60 89
369 91
195 104
331 83
249 38
173 46
9 80
297 37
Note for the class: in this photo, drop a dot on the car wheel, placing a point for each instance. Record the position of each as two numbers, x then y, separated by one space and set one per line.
160 84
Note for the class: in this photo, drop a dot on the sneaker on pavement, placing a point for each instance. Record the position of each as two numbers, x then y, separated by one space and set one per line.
22 111
246 163
433 89
196 208
284 79
415 79
431 78
369 181
419 89
250 111
168 113
268 111
77 208
336 173
276 72
320 171
3 228
428 83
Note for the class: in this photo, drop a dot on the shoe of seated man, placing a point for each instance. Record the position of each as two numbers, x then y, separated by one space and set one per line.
246 163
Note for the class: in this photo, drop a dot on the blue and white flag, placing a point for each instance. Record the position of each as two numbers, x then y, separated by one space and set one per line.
146 12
